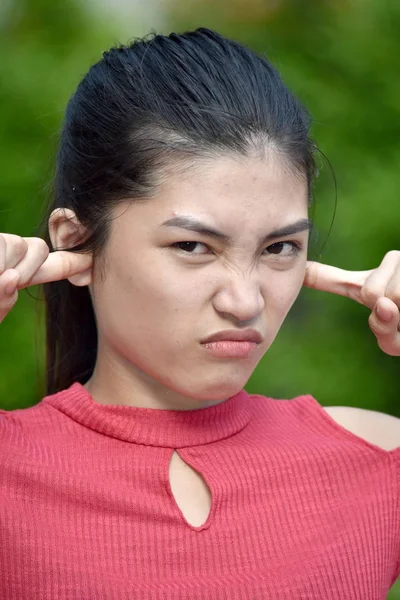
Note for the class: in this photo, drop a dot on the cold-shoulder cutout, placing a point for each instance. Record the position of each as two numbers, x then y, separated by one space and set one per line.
377 430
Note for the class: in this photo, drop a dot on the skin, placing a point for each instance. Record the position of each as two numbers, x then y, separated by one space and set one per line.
188 297
156 303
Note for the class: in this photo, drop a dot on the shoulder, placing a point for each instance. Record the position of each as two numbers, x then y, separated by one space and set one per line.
375 427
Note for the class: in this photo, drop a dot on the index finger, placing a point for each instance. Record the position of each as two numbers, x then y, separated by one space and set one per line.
60 265
334 280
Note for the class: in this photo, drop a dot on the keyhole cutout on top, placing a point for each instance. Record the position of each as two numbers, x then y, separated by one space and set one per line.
190 491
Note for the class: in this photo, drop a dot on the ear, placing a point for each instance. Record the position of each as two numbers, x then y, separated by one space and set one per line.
65 231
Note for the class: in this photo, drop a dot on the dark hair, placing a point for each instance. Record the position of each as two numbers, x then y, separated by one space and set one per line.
156 103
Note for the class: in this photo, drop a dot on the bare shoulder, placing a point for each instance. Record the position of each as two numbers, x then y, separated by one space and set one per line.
375 427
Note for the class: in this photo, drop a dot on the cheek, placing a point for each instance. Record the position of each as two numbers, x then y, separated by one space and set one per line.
138 300
282 295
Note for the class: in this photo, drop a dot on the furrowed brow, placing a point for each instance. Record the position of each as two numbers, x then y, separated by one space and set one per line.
192 224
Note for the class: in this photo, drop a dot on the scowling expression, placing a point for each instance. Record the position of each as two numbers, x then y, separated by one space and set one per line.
167 288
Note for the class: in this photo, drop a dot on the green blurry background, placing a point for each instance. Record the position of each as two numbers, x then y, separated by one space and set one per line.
341 57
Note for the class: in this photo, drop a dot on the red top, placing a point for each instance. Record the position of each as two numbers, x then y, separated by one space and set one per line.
301 508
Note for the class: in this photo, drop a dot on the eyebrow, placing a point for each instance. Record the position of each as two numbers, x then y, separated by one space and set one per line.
192 224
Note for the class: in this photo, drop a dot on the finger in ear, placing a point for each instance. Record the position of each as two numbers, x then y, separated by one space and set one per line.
82 279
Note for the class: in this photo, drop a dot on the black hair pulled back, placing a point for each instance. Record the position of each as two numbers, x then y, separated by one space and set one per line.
155 104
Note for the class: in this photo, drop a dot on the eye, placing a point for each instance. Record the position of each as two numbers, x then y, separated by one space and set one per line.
294 249
186 246
279 249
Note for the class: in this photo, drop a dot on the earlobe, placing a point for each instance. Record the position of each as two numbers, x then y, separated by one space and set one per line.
66 231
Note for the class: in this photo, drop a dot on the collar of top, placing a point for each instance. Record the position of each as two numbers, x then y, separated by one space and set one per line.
154 427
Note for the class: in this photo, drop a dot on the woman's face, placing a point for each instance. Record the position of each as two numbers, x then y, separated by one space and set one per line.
157 301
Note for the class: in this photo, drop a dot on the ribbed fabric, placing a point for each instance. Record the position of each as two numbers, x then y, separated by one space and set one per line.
302 509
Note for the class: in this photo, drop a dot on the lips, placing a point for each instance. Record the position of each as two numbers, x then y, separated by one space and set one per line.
246 335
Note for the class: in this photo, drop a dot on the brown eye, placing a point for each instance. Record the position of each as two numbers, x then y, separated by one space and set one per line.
278 249
187 246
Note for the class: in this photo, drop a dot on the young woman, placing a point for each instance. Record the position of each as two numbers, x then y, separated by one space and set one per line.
175 245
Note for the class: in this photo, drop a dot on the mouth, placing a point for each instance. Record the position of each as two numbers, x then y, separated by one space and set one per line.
235 335
231 348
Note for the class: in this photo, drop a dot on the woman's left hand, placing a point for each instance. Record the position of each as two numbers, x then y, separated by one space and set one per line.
378 289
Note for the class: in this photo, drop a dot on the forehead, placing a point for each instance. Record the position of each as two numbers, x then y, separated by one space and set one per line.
237 195
242 185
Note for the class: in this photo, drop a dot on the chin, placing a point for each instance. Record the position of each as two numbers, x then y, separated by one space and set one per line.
219 390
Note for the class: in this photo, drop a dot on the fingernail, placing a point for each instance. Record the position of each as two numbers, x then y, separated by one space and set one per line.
384 314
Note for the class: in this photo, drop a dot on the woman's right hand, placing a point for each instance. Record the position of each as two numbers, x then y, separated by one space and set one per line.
26 261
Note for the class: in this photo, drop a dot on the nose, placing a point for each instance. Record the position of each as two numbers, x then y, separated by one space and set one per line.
240 298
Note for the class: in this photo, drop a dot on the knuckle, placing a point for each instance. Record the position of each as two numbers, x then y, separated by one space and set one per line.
369 295
390 256
393 293
41 248
393 254
19 246
13 250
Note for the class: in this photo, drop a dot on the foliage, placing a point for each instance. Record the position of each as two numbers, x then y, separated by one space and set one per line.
341 58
